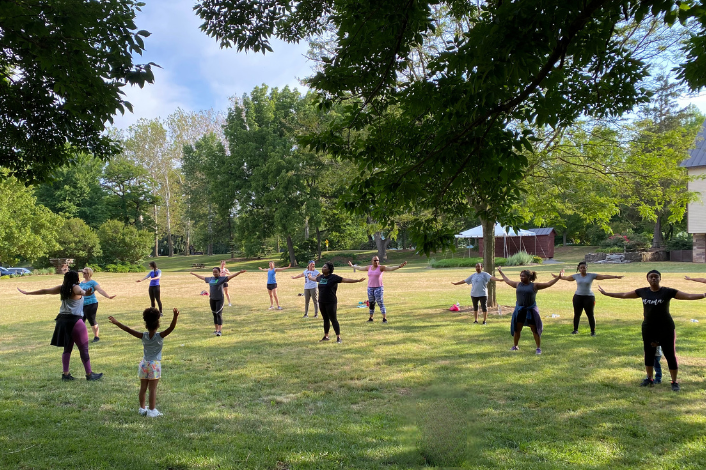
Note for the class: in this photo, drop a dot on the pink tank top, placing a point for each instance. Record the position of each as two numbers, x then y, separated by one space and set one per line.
374 277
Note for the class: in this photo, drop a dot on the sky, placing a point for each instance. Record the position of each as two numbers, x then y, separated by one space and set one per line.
196 74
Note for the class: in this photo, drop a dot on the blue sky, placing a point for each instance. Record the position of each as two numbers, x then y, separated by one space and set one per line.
197 75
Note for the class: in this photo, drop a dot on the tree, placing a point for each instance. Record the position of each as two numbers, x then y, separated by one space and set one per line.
62 67
123 243
78 241
74 190
130 194
27 230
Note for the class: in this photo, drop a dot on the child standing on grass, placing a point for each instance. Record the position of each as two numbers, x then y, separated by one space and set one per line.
150 368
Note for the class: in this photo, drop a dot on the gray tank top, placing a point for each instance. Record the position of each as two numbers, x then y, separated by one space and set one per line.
525 294
71 307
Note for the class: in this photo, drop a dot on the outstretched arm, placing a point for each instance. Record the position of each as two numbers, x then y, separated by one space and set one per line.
392 268
695 279
298 276
100 290
282 269
507 279
601 277
51 290
200 277
619 295
146 277
355 266
459 283
564 278
166 332
352 281
544 285
311 277
233 275
124 328
684 296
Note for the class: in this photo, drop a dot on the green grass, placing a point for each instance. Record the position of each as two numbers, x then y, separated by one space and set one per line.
429 389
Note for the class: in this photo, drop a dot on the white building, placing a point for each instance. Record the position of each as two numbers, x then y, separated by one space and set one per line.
696 211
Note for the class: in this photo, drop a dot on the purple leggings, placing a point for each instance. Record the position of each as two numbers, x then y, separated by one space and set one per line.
79 336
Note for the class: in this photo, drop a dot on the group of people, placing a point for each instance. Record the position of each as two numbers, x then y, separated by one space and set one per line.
79 304
658 329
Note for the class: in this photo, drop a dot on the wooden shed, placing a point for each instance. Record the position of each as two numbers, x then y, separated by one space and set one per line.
541 244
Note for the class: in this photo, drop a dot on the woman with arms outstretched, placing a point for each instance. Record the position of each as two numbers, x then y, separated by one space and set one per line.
272 282
526 311
215 298
657 326
375 288
154 290
90 302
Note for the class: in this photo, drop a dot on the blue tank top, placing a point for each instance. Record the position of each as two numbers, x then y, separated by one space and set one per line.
271 279
525 294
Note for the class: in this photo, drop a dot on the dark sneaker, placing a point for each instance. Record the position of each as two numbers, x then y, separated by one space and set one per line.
538 351
370 319
306 315
96 339
93 376
515 348
67 377
593 333
647 383
384 320
675 387
475 321
339 340
218 333
575 332
485 322
325 338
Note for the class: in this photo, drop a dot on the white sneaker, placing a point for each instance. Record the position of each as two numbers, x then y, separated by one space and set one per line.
271 307
229 304
153 413
142 411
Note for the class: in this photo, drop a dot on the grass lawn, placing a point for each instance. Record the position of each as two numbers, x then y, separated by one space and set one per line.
429 389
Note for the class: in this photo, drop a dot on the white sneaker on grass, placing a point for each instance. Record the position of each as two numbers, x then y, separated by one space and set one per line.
154 413
142 411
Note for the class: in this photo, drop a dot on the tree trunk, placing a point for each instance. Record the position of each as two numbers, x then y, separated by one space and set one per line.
489 256
381 245
170 242
156 233
290 247
657 240
306 229
564 238
210 231
318 243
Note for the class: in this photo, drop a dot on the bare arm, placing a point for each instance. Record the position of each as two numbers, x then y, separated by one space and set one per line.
496 279
459 283
166 332
200 277
619 295
298 276
355 266
233 275
695 279
602 277
544 285
311 278
282 269
124 328
507 279
352 281
392 268
564 278
52 290
100 290
684 296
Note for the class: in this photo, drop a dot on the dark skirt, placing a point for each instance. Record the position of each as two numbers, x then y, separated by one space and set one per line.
62 331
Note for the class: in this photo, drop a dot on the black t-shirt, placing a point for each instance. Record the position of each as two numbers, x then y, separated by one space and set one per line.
216 287
656 306
327 288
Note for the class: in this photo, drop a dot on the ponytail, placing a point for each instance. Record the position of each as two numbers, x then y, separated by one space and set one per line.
532 275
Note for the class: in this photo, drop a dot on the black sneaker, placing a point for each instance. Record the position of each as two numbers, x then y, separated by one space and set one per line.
218 333
93 376
67 377
370 319
575 332
325 338
593 333
96 339
339 340
647 382
485 322
384 320
675 387
475 321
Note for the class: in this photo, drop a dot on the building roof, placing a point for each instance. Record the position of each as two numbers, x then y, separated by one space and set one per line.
542 231
697 155
500 231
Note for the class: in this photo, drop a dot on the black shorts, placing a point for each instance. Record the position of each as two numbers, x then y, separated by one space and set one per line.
225 284
89 313
272 286
483 303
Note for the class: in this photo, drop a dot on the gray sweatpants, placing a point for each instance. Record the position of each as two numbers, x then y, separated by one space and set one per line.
311 294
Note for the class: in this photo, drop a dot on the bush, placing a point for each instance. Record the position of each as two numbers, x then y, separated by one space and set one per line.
629 242
613 249
462 262
6 277
95 268
537 259
680 242
521 258
124 243
43 271
78 241
136 268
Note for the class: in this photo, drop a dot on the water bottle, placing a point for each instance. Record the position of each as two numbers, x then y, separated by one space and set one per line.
693 320
500 310
554 315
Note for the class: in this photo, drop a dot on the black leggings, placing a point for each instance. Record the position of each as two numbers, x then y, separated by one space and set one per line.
587 303
328 311
217 310
154 295
666 339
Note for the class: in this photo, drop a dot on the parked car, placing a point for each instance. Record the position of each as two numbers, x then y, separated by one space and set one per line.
4 271
19 271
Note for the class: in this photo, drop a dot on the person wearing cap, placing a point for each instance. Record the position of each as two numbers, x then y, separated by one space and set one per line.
309 288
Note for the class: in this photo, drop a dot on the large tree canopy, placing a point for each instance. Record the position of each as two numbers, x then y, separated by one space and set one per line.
62 66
